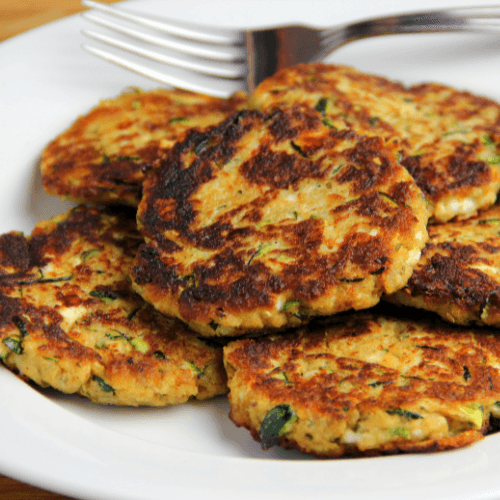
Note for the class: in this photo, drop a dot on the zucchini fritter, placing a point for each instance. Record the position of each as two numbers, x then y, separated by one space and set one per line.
450 139
70 320
458 275
366 385
266 220
104 156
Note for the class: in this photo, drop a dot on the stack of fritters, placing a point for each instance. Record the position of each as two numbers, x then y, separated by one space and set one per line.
268 221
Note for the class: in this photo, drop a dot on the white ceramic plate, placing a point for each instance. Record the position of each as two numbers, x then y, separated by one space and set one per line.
71 446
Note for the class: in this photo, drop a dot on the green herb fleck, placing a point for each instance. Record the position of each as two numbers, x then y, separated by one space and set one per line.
400 432
55 280
104 295
379 271
86 255
133 314
299 150
283 376
140 344
408 415
119 336
196 369
321 105
288 305
475 413
127 158
387 197
489 221
14 344
262 250
277 422
337 169
21 325
492 160
177 119
329 124
351 280
432 348
263 223
457 131
42 279
103 385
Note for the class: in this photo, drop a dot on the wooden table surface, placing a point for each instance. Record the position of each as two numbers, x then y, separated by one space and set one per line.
16 17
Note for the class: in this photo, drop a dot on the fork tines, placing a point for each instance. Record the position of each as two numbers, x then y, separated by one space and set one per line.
201 58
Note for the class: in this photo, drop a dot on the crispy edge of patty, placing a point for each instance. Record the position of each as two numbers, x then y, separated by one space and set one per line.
458 170
457 276
70 320
366 385
230 281
104 156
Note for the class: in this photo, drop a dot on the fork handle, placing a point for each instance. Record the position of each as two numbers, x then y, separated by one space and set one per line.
451 20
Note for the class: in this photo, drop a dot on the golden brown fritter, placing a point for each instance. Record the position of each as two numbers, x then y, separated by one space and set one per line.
104 155
366 385
265 220
458 275
450 139
69 318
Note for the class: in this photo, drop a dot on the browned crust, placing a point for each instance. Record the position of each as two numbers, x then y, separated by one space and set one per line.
442 368
105 155
451 277
443 164
231 280
461 440
94 354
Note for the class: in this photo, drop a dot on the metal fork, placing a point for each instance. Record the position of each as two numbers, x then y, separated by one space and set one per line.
221 61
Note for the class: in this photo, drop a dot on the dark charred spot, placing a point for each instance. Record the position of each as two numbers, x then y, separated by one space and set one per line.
461 170
488 247
45 321
211 237
81 223
370 205
402 192
175 182
286 126
280 170
14 251
362 171
150 269
448 278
